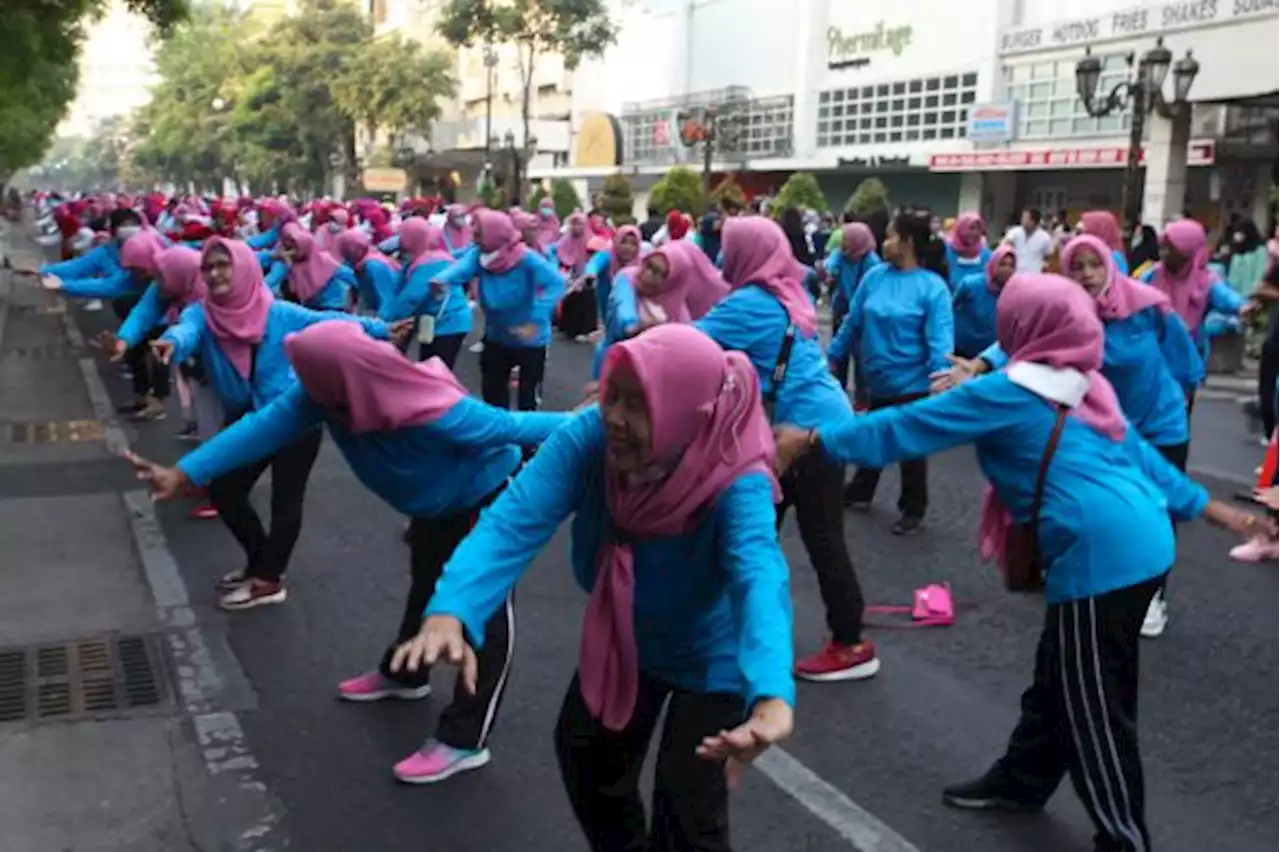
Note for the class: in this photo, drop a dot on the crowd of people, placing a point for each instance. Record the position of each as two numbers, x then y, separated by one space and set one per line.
714 407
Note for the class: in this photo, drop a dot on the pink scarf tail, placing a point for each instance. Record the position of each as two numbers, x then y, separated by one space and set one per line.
994 524
608 659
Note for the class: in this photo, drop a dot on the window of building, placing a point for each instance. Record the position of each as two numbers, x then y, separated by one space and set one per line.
1048 107
934 108
748 129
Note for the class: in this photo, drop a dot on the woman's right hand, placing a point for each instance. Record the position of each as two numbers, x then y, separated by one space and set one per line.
163 350
440 637
51 282
960 371
165 482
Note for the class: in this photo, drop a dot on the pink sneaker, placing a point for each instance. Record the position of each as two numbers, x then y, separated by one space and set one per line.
372 686
436 761
1260 548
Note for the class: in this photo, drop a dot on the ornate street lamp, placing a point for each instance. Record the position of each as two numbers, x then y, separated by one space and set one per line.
1143 93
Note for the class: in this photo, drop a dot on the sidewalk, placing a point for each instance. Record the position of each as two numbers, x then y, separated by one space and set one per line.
118 700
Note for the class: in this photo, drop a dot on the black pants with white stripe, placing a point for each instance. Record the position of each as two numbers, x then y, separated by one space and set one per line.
468 720
1080 715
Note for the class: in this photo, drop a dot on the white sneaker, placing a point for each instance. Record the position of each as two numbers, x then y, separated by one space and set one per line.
1157 617
93 305
476 348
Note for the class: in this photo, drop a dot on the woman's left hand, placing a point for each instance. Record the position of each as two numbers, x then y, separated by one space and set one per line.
1229 517
771 722
398 332
792 443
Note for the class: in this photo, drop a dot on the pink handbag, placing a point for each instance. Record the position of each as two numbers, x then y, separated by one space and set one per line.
931 606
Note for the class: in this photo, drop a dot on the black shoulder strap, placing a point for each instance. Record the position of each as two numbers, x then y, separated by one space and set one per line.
1055 436
253 364
770 397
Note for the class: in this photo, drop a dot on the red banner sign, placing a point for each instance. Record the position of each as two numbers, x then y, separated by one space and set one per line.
1199 153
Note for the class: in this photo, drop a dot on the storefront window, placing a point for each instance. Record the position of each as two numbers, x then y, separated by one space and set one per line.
934 108
1047 90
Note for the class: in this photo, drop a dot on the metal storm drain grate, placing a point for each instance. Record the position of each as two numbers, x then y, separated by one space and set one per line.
51 350
88 677
52 431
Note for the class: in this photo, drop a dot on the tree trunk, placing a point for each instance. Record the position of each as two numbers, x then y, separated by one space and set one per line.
522 159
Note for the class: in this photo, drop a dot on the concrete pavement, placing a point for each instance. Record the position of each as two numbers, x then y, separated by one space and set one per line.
938 712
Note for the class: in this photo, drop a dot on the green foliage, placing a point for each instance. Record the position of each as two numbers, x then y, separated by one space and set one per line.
679 189
728 192
42 40
536 194
565 197
869 196
395 85
494 197
800 191
615 198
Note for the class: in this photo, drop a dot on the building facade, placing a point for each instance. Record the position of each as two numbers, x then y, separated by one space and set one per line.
971 107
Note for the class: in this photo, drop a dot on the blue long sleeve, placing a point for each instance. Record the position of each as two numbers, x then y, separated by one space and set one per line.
472 423
939 329
265 240
418 297
1186 498
597 264
114 285
622 319
376 283
758 588
847 338
187 334
490 560
99 260
1223 299
461 273
390 245
995 356
146 315
549 286
277 276
1180 351
255 436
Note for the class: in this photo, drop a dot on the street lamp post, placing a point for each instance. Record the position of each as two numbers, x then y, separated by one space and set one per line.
1143 94
490 60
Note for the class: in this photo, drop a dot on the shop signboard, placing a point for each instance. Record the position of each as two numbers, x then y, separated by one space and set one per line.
990 122
1199 153
1149 19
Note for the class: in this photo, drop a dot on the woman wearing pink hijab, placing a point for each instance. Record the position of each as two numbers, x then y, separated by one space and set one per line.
1105 541
1103 225
310 276
518 290
442 316
769 317
671 493
677 283
571 250
238 333
414 437
966 248
377 276
457 233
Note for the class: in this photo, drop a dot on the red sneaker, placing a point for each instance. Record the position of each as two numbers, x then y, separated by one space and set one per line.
840 662
204 512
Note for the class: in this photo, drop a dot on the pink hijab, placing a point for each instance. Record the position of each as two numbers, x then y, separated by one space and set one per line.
1121 297
459 234
692 285
549 226
356 248
706 419
757 252
142 250
178 279
965 238
313 266
1050 320
625 231
856 240
1103 225
277 214
501 236
367 383
527 225
571 251
421 243
238 319
1188 290
998 254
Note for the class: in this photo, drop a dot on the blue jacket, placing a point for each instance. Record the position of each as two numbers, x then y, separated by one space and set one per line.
900 329
391 245
525 294
266 240
974 308
272 374
428 471
712 607
1221 299
1104 521
146 315
1122 261
96 274
456 251
377 283
621 317
848 275
418 298
597 267
333 296
751 320
960 268
1149 358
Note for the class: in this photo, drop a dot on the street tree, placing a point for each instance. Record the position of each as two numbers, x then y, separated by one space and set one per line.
616 199
575 29
801 191
679 189
394 84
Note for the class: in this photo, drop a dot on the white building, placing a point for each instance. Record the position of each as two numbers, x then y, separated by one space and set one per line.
846 88
116 71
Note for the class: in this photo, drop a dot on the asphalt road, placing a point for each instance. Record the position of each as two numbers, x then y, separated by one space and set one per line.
939 711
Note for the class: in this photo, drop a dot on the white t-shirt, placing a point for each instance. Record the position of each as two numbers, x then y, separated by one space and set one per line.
1031 250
